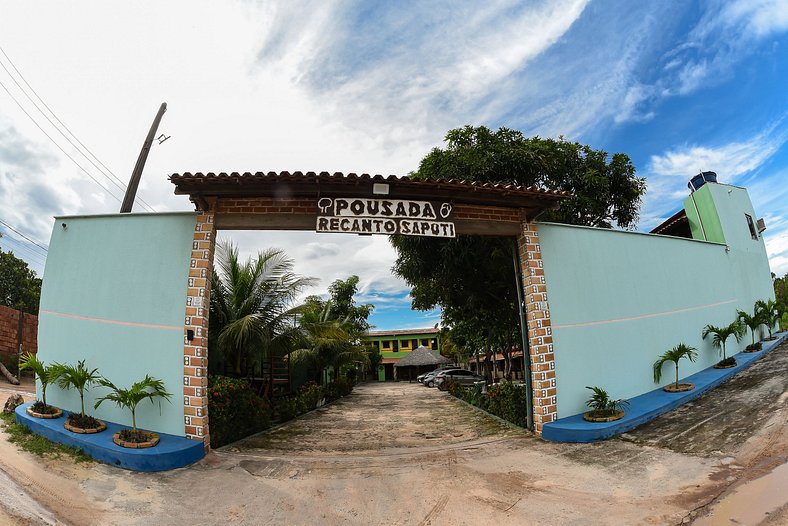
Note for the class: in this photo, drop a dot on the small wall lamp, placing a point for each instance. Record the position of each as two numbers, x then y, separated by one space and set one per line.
380 189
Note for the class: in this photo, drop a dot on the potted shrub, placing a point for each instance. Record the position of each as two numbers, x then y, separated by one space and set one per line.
720 336
675 355
603 408
147 388
46 375
770 315
79 377
752 322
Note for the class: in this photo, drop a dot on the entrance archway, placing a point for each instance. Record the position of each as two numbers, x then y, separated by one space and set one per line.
366 205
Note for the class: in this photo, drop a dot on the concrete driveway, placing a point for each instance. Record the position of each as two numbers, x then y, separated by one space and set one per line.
405 454
381 418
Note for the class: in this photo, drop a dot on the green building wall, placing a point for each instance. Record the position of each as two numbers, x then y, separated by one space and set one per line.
113 294
620 299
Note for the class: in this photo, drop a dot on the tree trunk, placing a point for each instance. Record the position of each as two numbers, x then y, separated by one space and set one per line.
677 376
10 377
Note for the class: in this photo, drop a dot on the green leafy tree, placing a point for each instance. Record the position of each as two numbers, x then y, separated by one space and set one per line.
751 321
769 312
473 278
781 298
674 355
46 374
20 289
252 306
327 343
343 305
720 335
146 389
605 189
79 377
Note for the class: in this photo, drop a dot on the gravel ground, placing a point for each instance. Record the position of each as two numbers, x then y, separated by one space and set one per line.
404 454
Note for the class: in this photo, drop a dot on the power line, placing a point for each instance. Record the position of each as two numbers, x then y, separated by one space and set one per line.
29 254
42 247
108 173
56 144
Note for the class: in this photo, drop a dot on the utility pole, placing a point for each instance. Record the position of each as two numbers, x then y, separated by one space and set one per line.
131 190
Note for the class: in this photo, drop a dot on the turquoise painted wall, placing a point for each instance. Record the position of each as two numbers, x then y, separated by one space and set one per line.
619 299
114 293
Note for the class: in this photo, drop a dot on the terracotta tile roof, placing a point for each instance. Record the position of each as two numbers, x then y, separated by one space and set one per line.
309 183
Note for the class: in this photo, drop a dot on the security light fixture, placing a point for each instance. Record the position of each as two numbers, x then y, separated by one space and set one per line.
380 189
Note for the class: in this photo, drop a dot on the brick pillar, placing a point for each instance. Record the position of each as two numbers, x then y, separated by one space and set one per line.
540 334
195 351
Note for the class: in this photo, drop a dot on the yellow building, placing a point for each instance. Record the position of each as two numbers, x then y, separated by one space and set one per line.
394 345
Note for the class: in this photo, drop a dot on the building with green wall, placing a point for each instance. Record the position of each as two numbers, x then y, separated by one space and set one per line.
394 345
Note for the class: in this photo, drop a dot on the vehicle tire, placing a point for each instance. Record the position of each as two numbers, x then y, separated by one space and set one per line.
430 384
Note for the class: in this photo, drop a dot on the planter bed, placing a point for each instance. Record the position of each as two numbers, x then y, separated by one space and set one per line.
170 453
650 405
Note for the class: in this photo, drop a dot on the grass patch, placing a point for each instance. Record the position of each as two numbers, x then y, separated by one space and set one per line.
28 441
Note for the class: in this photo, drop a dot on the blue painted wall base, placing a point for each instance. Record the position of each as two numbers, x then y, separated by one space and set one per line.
170 453
650 405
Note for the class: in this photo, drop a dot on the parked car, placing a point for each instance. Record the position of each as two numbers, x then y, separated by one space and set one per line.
463 376
429 378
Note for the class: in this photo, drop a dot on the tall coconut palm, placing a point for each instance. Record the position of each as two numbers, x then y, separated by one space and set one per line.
45 374
252 304
770 313
147 388
674 355
751 321
721 335
326 342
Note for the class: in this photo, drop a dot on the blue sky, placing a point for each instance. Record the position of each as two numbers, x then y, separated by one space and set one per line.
371 87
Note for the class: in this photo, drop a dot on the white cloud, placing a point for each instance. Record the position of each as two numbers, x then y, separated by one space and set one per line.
667 173
729 160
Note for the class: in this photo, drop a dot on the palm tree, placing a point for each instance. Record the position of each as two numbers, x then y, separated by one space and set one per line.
674 355
770 314
148 387
721 335
78 377
752 321
251 304
45 374
326 342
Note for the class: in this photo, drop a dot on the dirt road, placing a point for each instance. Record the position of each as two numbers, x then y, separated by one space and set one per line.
405 454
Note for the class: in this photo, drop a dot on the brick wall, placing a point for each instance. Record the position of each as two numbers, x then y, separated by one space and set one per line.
195 351
270 205
488 213
540 332
9 326
266 205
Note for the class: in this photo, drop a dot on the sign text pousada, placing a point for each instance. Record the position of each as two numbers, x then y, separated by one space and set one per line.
384 216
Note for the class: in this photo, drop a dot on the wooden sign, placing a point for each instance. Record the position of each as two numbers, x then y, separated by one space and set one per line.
385 216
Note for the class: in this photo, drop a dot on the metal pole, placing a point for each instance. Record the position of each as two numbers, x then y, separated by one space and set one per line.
524 335
131 190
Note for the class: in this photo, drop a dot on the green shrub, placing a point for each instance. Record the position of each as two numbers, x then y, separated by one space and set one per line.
505 400
235 410
338 388
308 396
311 394
352 375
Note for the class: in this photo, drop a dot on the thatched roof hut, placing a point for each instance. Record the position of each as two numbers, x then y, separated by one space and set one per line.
418 361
